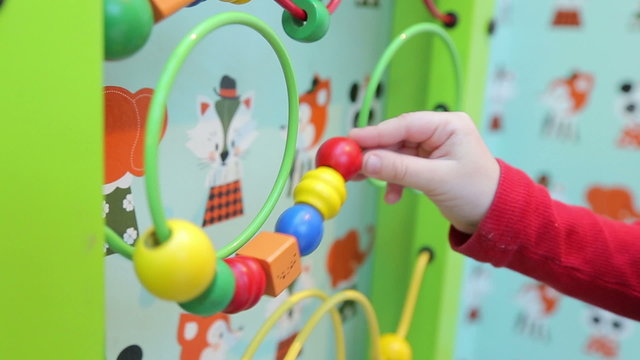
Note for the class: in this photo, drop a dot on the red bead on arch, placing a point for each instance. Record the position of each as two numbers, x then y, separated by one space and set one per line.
341 154
251 283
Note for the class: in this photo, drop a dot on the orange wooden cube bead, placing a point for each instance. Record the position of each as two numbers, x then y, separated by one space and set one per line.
278 255
164 8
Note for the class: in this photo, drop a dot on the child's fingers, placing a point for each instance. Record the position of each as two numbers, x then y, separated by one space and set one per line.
358 177
393 193
406 170
411 127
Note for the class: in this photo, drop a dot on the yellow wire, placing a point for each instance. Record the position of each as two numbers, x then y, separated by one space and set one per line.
283 308
412 293
329 305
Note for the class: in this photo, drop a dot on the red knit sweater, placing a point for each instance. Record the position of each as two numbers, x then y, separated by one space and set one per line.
570 248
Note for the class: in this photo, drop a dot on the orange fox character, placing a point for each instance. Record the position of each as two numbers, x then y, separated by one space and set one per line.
314 114
345 257
565 98
539 302
206 338
614 202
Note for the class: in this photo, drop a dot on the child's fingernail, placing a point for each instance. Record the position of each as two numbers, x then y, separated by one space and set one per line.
372 164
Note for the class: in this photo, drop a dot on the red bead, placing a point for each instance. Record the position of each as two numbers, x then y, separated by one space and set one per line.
251 283
341 154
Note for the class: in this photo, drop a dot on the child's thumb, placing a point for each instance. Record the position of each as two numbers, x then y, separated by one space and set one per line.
395 168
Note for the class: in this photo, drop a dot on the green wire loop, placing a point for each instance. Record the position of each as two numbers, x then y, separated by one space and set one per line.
154 127
116 243
389 53
157 110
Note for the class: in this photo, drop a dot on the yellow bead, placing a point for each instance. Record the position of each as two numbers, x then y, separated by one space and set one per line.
323 188
393 347
178 269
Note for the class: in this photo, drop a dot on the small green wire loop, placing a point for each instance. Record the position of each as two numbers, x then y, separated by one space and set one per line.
312 29
116 243
157 109
389 53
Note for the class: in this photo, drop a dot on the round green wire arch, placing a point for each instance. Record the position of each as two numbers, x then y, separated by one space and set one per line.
384 61
157 111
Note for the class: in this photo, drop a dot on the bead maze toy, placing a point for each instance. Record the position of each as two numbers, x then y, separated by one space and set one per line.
128 23
423 73
175 260
64 245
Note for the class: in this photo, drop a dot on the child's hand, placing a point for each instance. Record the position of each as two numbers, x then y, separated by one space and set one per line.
438 153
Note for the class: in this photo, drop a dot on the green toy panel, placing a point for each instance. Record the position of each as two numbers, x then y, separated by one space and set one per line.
423 74
51 271
218 157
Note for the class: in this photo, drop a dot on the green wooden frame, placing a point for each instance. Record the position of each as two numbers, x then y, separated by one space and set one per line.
420 78
51 258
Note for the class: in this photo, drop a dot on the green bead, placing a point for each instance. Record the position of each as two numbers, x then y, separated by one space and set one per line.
217 296
312 29
127 26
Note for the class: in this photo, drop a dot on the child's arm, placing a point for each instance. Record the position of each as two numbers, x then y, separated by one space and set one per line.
514 222
570 248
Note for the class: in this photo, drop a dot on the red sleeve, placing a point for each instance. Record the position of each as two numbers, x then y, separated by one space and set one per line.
570 248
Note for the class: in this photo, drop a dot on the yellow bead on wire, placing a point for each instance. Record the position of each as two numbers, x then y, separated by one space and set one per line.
323 188
237 2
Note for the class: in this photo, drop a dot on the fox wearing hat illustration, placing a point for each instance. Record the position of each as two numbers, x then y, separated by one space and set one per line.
224 133
313 118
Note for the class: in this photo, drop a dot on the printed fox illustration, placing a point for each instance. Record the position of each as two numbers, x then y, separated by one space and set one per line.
539 302
345 257
615 203
314 114
206 338
565 99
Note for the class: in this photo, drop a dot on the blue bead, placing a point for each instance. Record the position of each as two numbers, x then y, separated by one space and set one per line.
305 223
195 2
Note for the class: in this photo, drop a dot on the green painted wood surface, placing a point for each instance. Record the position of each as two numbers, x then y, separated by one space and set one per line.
51 273
420 78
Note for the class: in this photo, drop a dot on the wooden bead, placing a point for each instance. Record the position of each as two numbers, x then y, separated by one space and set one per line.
304 222
250 283
165 8
127 26
324 189
179 269
313 28
341 154
279 257
217 296
394 347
